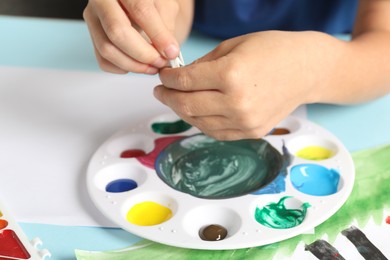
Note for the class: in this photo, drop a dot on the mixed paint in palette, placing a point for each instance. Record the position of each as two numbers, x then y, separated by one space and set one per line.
14 243
165 181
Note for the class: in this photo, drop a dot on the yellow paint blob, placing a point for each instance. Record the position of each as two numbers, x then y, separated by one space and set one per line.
148 213
314 153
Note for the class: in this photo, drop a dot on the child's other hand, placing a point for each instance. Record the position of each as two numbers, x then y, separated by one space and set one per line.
248 84
133 35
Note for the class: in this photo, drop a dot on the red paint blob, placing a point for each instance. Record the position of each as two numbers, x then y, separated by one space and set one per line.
131 153
11 246
3 223
159 145
388 220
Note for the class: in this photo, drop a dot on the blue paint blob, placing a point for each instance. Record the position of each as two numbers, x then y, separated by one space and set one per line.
278 185
313 179
121 185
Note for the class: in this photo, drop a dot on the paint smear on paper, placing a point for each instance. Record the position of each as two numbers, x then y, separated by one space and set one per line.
148 213
314 153
276 215
207 168
132 153
314 179
323 250
364 246
170 127
121 185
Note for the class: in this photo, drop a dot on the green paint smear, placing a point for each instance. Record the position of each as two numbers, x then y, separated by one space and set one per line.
369 198
276 215
207 168
170 127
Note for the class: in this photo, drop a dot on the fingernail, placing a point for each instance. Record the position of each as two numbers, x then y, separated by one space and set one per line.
160 63
171 52
151 70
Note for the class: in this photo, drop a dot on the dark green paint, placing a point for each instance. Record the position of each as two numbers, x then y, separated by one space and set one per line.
170 127
207 168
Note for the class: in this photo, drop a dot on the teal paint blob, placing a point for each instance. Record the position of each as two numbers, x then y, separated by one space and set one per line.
314 179
276 215
207 168
170 127
121 185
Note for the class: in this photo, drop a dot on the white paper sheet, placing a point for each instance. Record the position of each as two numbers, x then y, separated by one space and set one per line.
51 122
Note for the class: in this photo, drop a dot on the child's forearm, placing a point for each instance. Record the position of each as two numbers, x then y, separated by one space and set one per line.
362 69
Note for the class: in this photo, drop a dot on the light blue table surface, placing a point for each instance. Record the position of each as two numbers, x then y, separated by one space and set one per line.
65 44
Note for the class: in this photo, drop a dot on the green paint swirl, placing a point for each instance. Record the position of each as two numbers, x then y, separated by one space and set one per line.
170 127
275 215
207 168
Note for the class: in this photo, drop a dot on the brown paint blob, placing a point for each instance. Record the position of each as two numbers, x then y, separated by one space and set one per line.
280 131
213 233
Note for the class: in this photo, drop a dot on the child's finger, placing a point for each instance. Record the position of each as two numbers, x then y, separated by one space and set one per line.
145 14
217 75
120 32
109 57
192 104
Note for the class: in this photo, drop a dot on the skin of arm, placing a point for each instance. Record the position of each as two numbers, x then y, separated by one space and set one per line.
248 84
137 35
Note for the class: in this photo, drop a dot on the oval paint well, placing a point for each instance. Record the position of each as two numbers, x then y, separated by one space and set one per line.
276 215
314 153
213 233
121 185
170 127
207 168
132 153
148 213
313 179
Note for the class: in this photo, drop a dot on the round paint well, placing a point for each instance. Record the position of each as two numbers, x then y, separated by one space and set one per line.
286 213
121 185
207 168
314 179
199 218
121 177
313 148
130 146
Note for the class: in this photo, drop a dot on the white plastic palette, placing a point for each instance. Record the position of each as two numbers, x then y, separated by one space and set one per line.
236 214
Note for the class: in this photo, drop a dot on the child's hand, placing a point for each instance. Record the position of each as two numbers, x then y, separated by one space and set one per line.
244 87
133 35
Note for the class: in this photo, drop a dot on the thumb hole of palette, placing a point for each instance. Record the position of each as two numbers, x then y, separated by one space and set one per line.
163 180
